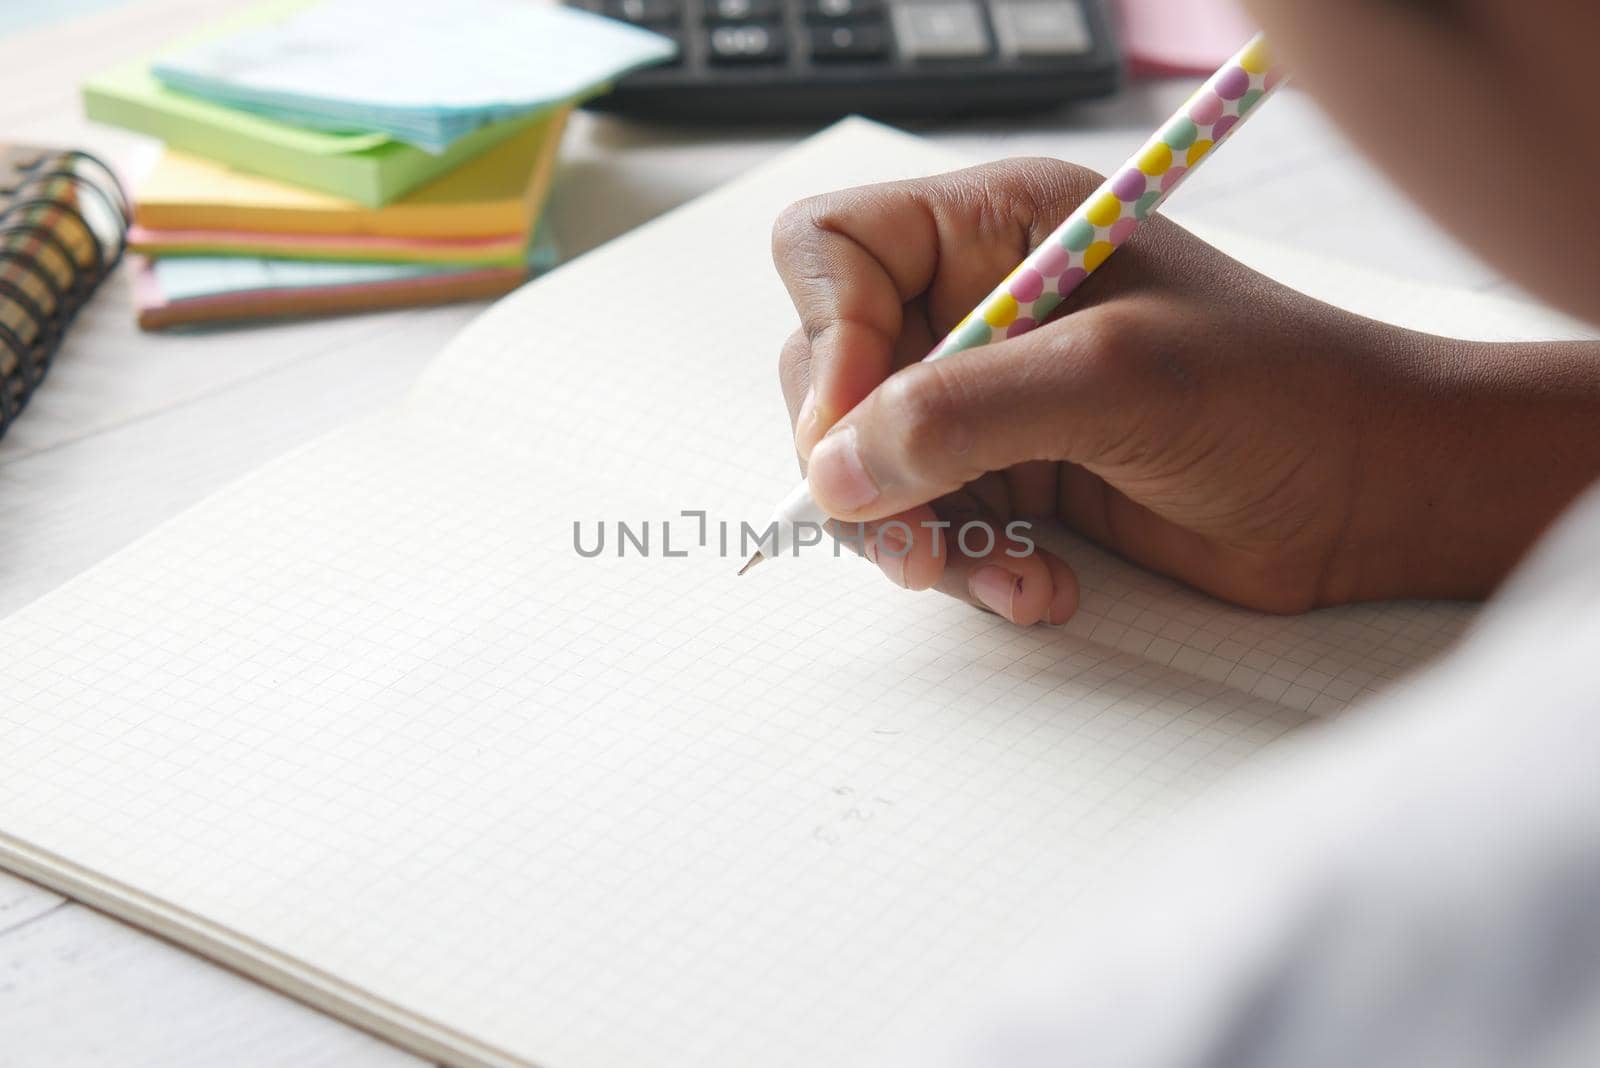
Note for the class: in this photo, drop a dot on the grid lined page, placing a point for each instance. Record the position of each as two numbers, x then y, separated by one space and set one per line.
367 726
692 366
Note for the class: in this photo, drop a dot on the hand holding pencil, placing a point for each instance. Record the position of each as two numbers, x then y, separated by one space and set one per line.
1085 240
1183 411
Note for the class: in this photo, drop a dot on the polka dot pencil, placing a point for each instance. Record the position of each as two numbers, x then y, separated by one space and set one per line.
1077 248
1115 211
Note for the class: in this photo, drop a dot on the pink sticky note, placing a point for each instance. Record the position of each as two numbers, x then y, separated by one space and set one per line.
1182 36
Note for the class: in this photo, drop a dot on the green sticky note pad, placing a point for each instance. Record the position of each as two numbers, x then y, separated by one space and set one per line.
369 168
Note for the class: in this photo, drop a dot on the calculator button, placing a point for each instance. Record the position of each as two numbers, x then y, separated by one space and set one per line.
1041 27
642 10
841 10
741 10
848 44
940 29
747 44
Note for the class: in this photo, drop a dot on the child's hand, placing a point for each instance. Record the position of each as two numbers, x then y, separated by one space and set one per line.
1188 413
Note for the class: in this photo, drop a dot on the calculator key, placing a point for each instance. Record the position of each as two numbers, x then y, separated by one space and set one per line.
842 10
940 29
747 44
741 10
643 10
848 44
1041 27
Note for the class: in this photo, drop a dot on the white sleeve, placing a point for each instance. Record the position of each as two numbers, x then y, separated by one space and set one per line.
1415 885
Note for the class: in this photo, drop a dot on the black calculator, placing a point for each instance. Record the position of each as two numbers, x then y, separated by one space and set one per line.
818 59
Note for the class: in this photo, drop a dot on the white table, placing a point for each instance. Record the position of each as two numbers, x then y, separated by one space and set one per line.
131 429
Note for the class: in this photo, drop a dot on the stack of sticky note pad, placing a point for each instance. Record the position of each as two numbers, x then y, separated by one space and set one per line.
336 155
218 243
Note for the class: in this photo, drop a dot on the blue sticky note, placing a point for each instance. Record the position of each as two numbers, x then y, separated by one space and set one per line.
426 73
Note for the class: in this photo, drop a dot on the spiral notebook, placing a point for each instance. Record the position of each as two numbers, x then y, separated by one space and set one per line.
63 227
365 726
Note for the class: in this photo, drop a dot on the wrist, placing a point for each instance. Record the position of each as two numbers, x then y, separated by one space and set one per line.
1466 453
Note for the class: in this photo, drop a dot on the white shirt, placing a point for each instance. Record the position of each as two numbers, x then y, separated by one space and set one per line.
1417 884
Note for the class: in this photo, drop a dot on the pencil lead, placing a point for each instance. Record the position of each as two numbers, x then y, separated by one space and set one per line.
753 561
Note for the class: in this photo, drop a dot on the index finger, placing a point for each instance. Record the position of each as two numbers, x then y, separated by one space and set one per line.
854 261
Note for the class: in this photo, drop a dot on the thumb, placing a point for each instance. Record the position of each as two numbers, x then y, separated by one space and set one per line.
1082 390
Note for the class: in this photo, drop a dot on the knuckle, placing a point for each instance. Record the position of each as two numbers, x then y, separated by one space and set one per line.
796 226
1035 193
925 414
1105 346
1045 180
800 240
1155 362
1141 387
794 358
1070 179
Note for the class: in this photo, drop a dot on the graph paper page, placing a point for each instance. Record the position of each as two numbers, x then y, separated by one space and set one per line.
366 726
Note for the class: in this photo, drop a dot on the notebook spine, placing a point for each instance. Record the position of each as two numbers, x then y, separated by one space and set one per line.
64 221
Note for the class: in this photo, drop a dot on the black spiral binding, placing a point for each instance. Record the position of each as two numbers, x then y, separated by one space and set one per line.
67 255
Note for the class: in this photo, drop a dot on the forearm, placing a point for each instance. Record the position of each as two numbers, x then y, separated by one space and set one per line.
1469 452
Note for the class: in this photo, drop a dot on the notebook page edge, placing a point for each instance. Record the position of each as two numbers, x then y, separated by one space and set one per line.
272 968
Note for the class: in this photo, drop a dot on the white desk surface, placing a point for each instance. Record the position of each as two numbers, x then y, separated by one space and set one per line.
130 429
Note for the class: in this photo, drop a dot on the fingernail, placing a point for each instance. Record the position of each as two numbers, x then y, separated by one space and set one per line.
996 589
890 555
838 477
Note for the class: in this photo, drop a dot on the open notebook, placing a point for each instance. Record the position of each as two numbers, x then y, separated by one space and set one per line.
365 726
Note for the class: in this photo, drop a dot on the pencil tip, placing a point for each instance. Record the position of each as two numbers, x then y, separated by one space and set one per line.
753 561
